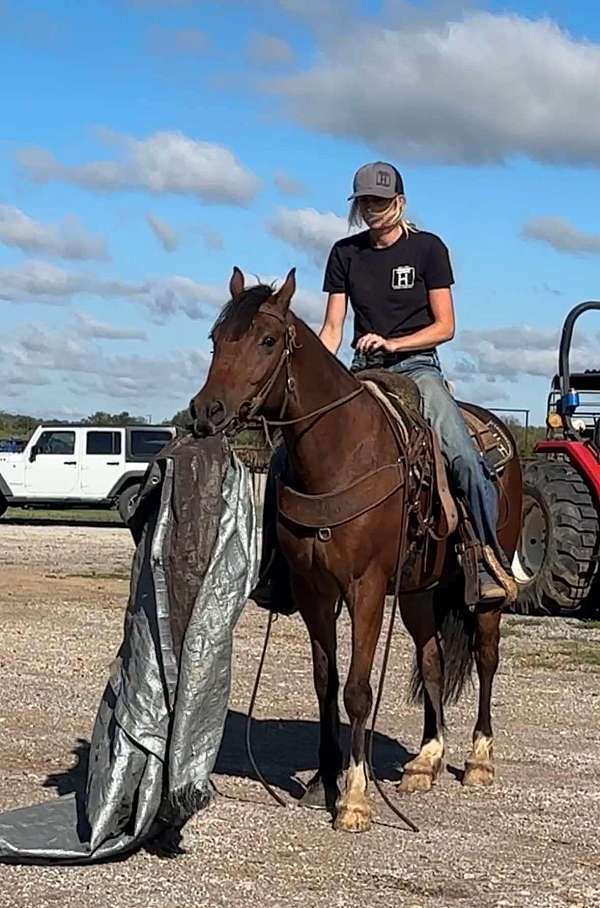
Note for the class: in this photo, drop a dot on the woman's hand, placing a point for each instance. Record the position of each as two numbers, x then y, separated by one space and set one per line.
368 343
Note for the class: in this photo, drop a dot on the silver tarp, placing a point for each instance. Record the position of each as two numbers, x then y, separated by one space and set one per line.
161 718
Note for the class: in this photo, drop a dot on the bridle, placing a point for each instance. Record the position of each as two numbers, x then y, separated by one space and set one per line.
249 409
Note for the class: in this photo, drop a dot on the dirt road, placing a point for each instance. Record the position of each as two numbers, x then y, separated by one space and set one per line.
532 840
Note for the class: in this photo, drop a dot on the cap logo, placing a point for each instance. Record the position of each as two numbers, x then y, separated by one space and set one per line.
382 178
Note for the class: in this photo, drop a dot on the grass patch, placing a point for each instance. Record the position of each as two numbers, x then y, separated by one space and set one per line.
568 655
83 516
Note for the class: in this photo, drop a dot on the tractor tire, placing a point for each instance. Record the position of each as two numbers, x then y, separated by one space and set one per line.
557 559
127 500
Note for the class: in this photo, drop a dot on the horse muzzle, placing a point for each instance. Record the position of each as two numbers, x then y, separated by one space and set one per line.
210 418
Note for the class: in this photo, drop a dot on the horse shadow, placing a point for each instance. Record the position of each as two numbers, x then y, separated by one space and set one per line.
283 749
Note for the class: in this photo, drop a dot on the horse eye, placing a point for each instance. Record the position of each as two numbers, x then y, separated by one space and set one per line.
268 341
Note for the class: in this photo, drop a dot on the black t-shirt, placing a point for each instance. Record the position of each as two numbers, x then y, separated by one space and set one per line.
388 288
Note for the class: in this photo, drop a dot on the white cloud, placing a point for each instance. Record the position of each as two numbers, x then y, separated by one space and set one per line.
163 232
46 283
164 162
478 90
165 297
310 306
268 50
162 297
68 239
90 327
515 351
49 355
15 379
483 392
509 337
562 235
287 184
312 231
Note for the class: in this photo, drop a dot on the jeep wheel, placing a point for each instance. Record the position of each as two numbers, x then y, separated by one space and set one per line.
127 501
556 562
3 505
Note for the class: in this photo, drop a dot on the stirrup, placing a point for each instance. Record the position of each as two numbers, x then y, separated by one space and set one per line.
499 573
489 588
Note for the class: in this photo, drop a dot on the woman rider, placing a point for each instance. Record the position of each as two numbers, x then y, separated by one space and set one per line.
397 280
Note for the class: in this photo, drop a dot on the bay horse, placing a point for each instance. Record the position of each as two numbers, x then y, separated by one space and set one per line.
267 361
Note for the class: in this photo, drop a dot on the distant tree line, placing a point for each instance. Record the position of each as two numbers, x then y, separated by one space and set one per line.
526 440
16 425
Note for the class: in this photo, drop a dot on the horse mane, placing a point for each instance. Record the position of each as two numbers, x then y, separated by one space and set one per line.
236 315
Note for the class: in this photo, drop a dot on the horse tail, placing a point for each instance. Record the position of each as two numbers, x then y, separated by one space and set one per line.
455 625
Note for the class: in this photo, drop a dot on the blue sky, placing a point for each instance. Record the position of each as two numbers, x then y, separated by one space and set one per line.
149 145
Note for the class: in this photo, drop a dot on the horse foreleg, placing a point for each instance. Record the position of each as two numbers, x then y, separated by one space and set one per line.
418 616
318 611
479 766
366 598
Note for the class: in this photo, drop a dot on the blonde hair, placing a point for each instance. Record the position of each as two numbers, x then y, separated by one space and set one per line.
393 214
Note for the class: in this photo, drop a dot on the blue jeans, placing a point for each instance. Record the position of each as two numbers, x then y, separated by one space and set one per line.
468 471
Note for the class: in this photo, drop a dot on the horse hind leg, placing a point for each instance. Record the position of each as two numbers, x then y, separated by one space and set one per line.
365 598
479 766
418 616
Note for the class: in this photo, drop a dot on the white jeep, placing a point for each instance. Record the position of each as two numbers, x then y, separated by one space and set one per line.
80 466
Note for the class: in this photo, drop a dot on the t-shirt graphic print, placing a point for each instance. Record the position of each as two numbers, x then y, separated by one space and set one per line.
403 277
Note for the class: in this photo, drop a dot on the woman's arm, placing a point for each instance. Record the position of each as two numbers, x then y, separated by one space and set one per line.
440 330
332 332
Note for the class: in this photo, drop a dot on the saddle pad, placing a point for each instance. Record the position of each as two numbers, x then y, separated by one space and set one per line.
394 385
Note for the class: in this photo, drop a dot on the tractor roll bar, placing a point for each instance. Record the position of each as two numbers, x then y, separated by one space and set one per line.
567 405
565 342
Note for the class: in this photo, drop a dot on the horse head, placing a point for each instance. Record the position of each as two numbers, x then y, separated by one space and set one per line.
252 341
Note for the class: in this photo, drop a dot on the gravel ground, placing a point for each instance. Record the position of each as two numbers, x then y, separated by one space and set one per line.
530 840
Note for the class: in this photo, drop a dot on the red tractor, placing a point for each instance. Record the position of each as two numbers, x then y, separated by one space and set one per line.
557 561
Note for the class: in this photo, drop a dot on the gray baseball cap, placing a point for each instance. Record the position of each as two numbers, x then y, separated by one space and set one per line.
378 179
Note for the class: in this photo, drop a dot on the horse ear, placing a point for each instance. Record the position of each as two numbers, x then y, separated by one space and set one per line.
285 294
236 284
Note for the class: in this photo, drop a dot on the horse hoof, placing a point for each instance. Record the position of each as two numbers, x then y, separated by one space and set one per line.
420 775
478 774
413 781
353 819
